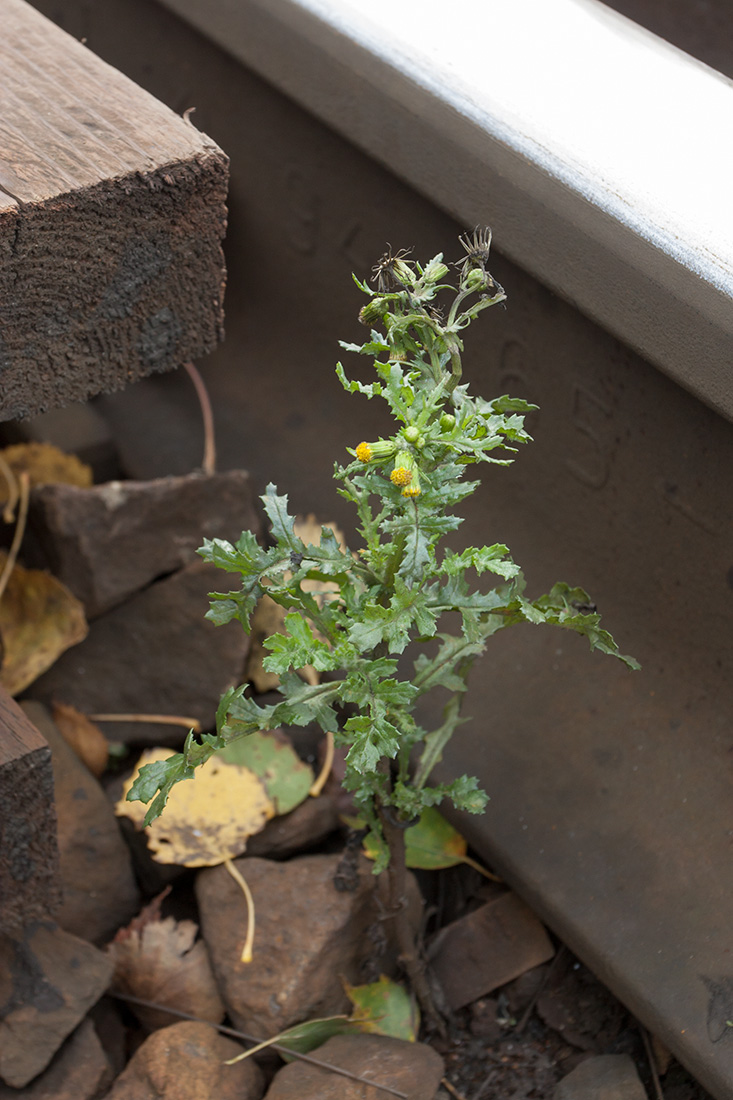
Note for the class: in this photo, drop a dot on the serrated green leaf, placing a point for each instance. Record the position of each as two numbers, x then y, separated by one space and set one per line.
368 633
276 509
560 607
442 669
492 558
352 386
160 777
371 740
300 647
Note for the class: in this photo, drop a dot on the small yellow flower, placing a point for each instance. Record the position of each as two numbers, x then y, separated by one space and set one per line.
364 452
413 489
405 474
401 476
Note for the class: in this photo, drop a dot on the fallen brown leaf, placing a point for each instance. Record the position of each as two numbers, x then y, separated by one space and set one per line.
83 736
160 960
39 620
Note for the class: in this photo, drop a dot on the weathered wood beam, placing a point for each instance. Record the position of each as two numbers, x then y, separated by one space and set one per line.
29 862
111 219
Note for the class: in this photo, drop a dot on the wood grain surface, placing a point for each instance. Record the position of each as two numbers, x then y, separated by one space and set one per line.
29 861
111 220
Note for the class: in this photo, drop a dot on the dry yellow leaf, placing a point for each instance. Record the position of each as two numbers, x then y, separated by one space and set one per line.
206 821
45 464
39 620
83 736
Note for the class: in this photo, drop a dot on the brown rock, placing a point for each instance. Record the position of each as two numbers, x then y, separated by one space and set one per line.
304 827
156 654
109 541
80 1071
412 1068
48 980
100 892
309 937
487 948
186 1062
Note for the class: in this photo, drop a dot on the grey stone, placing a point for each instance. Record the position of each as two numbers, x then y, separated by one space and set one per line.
412 1068
80 1071
155 654
604 1077
109 541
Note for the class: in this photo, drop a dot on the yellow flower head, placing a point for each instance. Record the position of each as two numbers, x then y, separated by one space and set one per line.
413 488
405 473
380 451
401 476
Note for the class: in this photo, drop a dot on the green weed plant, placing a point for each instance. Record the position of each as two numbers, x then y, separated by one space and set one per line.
396 590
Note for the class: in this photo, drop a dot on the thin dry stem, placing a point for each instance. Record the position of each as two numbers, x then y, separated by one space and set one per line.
24 488
481 870
12 484
451 1089
158 719
246 956
208 462
320 781
658 1093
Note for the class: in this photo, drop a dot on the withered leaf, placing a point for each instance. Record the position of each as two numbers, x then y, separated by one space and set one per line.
83 736
160 960
39 620
45 464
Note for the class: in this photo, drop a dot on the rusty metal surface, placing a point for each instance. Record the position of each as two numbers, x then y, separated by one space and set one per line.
610 791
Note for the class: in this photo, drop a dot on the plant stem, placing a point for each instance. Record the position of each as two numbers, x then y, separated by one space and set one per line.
394 836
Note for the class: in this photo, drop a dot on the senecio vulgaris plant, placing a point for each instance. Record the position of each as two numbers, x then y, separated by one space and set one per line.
394 591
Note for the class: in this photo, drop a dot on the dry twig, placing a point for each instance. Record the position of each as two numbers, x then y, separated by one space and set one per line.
658 1093
24 492
156 719
208 462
